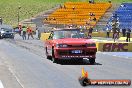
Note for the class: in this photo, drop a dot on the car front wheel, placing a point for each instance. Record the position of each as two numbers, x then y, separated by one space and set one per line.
47 56
1 37
55 60
92 60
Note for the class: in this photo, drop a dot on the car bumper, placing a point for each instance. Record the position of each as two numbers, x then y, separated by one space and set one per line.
7 36
67 53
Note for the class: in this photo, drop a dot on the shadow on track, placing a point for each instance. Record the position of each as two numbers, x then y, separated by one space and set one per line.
75 62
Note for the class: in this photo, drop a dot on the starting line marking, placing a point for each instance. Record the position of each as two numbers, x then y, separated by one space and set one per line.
118 56
1 85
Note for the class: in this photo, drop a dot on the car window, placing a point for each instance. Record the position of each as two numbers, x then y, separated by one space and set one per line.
6 29
67 34
58 35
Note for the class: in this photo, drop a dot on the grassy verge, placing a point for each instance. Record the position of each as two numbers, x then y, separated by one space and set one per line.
9 8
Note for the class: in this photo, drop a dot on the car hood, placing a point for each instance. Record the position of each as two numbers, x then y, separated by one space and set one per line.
8 33
73 41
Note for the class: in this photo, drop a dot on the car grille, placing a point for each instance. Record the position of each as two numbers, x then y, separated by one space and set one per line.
76 45
63 53
69 52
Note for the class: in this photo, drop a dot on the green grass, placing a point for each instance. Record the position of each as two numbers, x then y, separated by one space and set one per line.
29 8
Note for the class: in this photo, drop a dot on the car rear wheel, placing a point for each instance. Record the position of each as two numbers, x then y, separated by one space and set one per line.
92 60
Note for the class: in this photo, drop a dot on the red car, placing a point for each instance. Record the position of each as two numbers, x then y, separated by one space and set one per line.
70 44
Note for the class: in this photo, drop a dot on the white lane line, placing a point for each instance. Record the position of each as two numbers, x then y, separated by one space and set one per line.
17 79
117 56
1 85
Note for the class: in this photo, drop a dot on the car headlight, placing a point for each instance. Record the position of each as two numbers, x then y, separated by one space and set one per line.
61 45
3 34
90 45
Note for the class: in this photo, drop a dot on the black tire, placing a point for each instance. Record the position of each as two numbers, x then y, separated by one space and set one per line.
92 60
1 37
55 60
48 57
80 60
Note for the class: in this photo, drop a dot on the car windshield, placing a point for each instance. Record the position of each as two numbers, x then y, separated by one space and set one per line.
68 34
6 29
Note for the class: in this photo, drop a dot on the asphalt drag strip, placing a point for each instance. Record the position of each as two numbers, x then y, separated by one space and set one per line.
28 62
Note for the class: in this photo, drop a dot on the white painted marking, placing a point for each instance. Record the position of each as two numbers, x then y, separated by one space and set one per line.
13 73
1 85
115 55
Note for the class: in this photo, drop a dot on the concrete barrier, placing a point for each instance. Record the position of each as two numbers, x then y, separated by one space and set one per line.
114 47
44 36
103 34
124 38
